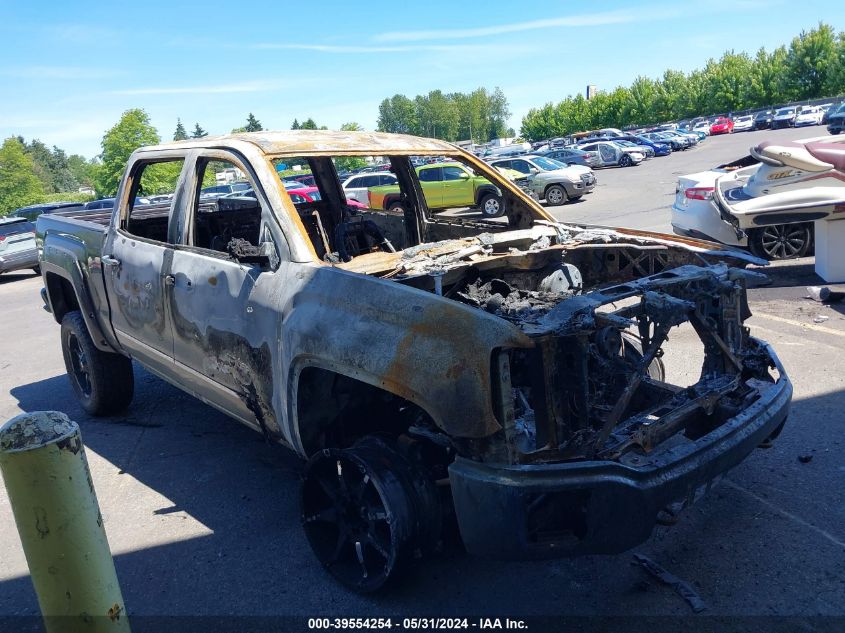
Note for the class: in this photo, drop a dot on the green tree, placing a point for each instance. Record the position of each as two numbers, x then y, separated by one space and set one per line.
131 132
41 163
19 186
835 85
84 171
253 124
397 114
763 81
308 124
180 134
295 125
160 178
809 61
726 83
198 131
497 114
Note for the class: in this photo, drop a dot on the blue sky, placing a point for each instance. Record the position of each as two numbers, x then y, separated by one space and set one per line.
68 69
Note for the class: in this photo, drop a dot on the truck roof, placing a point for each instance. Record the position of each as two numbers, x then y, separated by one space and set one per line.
325 142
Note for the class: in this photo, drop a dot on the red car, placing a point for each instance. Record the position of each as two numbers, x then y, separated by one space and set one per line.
312 194
722 125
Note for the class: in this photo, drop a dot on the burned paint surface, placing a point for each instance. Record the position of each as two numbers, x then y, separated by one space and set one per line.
518 361
495 333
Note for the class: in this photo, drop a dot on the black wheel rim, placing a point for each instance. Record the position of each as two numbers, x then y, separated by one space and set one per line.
783 241
353 518
80 370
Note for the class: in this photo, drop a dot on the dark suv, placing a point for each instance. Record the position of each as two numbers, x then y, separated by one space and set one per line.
836 119
763 120
33 211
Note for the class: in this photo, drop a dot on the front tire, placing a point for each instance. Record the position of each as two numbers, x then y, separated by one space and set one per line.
625 161
366 511
103 382
781 241
556 195
492 205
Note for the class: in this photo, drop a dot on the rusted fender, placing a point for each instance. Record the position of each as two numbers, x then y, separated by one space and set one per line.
432 351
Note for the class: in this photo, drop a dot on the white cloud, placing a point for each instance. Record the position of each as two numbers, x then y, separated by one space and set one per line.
244 86
343 48
589 19
59 72
86 34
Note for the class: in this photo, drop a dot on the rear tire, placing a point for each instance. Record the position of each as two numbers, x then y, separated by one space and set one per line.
103 382
556 195
781 241
396 207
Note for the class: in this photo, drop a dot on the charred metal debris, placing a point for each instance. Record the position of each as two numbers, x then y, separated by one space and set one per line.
591 384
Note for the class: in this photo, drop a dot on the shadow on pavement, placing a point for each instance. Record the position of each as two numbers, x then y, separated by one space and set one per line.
256 559
9 278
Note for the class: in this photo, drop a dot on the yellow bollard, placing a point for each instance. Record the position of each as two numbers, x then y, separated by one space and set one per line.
43 464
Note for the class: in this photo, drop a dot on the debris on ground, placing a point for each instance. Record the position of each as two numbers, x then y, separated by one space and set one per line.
805 459
681 587
823 294
820 318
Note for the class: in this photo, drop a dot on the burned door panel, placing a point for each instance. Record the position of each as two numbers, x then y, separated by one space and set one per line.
135 283
225 329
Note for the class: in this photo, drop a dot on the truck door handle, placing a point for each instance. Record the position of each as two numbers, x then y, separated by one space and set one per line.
169 280
108 260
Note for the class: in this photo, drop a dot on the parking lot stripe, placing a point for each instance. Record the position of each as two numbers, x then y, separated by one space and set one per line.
785 513
810 326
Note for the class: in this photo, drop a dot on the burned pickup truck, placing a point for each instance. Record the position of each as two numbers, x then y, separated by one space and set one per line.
434 368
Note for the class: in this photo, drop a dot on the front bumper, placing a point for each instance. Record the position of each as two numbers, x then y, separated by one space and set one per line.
601 507
19 260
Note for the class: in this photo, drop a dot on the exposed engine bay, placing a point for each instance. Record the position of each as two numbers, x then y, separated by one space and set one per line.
593 384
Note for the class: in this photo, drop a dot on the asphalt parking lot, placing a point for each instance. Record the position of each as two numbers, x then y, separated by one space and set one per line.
203 519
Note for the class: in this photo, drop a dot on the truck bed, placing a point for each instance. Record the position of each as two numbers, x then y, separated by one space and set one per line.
87 228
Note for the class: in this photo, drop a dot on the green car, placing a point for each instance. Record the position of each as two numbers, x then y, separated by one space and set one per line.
445 185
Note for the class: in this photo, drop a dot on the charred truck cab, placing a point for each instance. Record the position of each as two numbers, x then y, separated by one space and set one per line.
432 364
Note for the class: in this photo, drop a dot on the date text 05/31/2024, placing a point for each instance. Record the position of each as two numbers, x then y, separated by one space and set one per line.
417 624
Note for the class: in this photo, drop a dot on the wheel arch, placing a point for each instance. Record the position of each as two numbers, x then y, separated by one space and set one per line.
566 186
67 291
332 407
390 199
483 190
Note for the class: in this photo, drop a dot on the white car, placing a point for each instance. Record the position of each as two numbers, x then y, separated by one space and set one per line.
767 201
702 126
784 117
611 153
808 115
744 123
355 187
